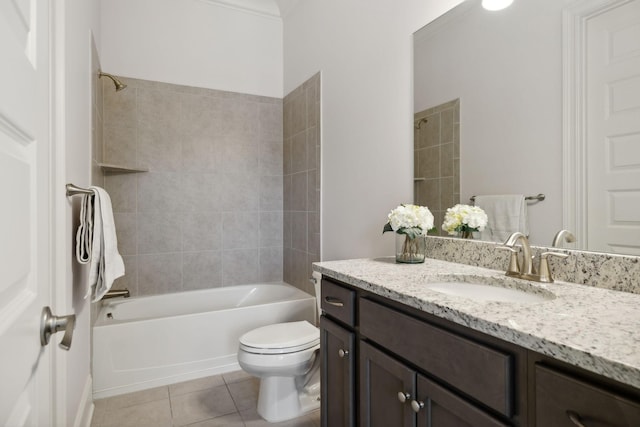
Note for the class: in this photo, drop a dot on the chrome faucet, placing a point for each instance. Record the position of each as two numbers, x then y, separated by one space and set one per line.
526 270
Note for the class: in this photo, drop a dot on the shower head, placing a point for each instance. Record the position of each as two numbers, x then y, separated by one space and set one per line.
119 85
419 124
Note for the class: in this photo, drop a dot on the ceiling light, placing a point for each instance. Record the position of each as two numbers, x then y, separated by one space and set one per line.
496 4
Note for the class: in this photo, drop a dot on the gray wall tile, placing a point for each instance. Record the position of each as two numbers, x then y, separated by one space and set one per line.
202 231
271 229
240 230
214 194
301 182
201 270
159 232
240 266
159 274
159 191
270 264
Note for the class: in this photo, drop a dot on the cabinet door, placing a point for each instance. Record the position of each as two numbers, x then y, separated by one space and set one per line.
337 375
438 407
386 389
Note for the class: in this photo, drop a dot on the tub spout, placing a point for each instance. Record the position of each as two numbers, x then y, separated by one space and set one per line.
117 293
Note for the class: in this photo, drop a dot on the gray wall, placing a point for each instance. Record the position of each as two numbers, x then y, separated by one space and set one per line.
209 212
302 182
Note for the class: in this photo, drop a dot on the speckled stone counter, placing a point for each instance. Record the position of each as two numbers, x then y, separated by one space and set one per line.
592 328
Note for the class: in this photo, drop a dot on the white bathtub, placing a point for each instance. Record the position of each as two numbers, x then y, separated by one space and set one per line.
144 342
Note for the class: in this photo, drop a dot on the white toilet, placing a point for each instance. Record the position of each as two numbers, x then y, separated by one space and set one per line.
285 356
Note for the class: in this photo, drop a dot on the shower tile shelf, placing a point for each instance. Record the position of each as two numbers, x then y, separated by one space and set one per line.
113 169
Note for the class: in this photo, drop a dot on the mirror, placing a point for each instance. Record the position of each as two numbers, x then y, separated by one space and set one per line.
504 69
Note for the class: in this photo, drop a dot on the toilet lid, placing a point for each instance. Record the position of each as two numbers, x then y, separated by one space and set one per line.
281 338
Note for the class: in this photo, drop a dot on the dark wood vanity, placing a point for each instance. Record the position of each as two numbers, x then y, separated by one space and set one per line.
387 364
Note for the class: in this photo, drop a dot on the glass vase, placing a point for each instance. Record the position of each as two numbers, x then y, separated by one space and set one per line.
408 250
466 234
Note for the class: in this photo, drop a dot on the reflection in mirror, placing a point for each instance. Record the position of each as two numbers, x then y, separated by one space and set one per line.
436 142
504 69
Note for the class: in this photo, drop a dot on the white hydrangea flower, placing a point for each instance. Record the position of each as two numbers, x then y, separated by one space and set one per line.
464 218
418 218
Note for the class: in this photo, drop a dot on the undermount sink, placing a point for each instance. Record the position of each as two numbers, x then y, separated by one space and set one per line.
486 292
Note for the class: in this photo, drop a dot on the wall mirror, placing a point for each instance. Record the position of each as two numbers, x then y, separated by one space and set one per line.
503 72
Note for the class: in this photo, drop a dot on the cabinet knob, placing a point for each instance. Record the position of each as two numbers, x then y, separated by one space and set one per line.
403 397
575 418
343 353
416 406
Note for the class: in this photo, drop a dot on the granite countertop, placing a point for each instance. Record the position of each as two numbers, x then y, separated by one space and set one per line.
592 328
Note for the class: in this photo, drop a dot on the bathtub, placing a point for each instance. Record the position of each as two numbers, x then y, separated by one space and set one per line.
144 342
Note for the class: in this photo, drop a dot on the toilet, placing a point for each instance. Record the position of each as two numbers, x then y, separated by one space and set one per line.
286 358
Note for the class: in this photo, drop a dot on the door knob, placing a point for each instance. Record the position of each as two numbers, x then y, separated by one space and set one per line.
403 397
416 405
50 324
343 353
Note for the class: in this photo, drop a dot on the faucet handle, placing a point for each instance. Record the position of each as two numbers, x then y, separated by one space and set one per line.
514 266
545 271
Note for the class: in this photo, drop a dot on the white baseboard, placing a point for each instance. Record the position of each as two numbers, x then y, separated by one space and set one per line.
85 408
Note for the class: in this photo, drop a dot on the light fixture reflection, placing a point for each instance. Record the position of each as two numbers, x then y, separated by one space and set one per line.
496 4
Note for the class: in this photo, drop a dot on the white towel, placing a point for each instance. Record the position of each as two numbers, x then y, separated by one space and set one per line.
507 214
96 242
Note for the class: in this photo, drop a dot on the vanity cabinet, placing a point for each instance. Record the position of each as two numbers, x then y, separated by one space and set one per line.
388 364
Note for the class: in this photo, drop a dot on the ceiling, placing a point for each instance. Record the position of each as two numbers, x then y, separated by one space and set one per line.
271 8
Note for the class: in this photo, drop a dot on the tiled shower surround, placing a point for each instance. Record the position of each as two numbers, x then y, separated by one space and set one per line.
209 212
437 159
302 183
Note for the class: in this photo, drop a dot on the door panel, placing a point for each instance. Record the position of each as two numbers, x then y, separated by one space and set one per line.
24 217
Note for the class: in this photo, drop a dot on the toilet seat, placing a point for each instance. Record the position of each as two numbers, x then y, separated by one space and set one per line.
281 338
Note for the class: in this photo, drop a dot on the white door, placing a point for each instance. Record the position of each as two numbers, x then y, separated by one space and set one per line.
25 372
613 129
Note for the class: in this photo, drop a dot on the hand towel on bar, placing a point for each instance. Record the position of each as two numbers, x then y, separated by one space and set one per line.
106 264
507 213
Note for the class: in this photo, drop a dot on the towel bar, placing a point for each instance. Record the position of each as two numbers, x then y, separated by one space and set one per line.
72 190
540 197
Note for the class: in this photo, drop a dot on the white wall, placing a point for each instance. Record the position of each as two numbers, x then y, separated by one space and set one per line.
193 43
75 21
364 51
506 68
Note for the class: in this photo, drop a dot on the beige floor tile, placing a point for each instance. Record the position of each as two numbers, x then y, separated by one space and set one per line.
235 376
152 414
99 412
201 405
252 419
245 393
233 420
195 385
136 398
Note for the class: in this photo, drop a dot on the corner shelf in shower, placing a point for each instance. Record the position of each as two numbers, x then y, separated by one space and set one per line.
110 168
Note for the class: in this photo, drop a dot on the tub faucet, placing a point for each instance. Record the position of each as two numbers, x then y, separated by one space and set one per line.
117 293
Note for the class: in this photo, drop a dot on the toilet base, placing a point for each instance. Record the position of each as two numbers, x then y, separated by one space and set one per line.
280 400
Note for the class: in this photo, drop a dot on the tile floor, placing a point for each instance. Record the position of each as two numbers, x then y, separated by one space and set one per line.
227 400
